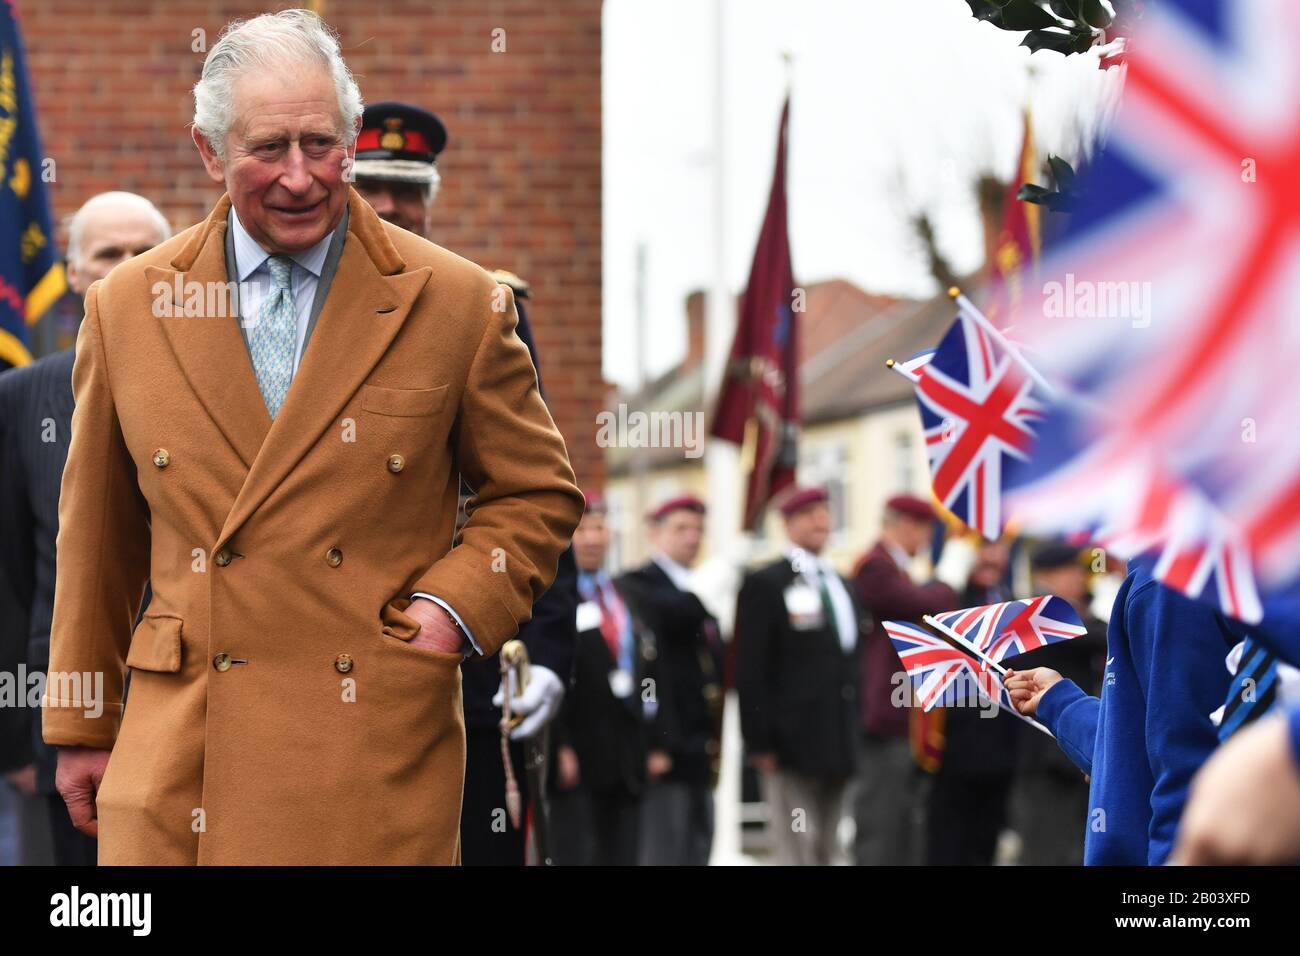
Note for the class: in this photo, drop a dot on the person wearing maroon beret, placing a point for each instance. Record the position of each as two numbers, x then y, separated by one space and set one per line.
890 783
797 633
684 710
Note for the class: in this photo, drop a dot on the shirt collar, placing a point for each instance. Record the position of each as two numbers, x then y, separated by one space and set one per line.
680 576
590 580
901 557
802 559
249 256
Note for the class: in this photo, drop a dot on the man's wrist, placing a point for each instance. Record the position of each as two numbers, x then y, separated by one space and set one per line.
469 646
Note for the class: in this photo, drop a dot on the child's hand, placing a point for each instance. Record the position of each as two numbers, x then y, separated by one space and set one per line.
1027 687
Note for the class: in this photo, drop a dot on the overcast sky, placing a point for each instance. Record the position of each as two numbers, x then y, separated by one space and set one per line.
896 105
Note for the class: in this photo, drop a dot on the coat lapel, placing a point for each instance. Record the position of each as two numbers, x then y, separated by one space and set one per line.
368 302
367 305
209 347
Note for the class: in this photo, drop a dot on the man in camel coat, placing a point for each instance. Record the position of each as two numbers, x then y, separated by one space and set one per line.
283 469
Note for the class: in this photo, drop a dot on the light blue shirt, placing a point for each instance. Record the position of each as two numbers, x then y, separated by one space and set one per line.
254 277
589 584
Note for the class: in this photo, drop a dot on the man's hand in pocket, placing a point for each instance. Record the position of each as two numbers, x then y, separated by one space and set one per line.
438 632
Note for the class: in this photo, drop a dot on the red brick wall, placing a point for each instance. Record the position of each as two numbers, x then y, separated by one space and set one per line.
521 174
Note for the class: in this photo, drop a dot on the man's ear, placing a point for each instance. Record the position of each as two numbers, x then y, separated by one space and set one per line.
73 277
209 156
350 155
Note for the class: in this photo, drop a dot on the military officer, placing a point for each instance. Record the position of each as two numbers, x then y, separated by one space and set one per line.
397 173
396 168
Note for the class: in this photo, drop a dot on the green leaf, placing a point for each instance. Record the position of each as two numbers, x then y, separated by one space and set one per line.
1029 192
1094 14
1062 172
984 10
1083 41
1026 15
1065 9
1054 40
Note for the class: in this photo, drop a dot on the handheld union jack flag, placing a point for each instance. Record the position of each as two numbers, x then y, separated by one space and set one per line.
941 674
977 408
1015 627
944 674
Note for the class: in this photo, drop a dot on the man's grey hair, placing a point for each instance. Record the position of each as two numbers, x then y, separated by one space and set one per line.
76 221
290 37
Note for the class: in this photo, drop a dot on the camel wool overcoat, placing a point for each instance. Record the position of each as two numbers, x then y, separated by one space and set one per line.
276 712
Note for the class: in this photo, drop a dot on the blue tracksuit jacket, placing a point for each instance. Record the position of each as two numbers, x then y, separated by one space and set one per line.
1150 731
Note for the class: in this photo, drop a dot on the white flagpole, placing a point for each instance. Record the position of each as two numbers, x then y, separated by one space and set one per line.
965 644
898 367
969 309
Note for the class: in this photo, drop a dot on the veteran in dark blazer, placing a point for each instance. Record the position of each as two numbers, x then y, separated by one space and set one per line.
599 769
798 630
683 725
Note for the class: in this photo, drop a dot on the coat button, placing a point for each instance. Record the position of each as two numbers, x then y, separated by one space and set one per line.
343 663
222 557
396 463
334 557
161 457
221 662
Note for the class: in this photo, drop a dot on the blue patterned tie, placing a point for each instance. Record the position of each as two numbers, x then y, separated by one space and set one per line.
275 336
1253 690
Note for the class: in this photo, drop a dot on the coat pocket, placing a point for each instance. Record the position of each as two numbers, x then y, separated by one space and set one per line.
403 402
400 626
156 644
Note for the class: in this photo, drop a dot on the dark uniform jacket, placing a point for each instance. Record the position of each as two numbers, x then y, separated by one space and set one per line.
606 731
798 688
686 670
31 471
976 745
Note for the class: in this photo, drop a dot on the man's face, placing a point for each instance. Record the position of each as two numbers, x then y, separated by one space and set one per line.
678 535
402 204
809 527
284 158
911 534
991 560
590 542
109 233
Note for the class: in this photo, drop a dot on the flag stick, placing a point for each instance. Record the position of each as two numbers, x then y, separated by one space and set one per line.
968 308
965 645
897 367
979 655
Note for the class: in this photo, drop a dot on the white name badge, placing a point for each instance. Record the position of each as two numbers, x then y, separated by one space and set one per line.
804 606
620 682
588 616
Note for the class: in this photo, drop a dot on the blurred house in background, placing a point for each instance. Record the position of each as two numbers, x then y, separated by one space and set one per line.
861 431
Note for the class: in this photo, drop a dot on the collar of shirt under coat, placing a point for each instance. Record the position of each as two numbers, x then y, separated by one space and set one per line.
249 256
